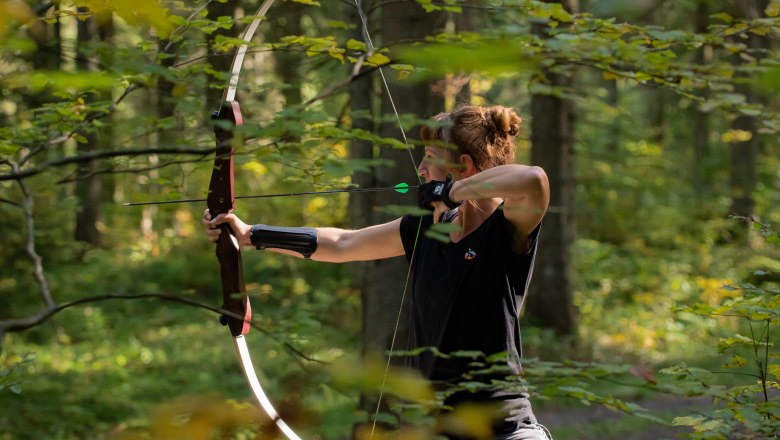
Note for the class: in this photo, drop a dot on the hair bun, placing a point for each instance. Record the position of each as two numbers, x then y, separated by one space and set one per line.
503 120
486 133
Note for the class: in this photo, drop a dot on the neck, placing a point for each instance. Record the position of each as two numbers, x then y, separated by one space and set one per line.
472 214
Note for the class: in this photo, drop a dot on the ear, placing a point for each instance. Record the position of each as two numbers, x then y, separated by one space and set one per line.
467 166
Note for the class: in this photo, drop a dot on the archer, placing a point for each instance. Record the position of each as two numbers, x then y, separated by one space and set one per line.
467 293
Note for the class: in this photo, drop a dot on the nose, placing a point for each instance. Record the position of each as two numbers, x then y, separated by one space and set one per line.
422 169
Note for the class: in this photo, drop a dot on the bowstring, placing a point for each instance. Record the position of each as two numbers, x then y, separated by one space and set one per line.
370 46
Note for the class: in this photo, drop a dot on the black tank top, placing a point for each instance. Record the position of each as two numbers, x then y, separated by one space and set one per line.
466 297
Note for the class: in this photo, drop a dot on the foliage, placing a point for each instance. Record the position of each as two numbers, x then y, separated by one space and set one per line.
750 407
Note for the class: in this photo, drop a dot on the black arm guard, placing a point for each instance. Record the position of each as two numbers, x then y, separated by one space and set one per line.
301 240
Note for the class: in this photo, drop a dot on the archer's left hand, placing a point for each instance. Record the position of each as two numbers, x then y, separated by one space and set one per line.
240 229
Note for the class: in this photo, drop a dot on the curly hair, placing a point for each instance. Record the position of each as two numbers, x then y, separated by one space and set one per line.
486 133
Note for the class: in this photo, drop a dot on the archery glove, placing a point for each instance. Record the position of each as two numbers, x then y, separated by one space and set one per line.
436 191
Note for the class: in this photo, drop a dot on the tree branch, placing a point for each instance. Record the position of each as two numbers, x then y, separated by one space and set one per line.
27 205
18 174
21 324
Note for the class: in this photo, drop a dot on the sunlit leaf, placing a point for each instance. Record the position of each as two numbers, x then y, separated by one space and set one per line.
736 136
726 343
13 11
356 45
687 420
774 370
373 374
773 9
469 420
377 59
61 80
736 362
135 12
722 16
495 57
607 75
338 24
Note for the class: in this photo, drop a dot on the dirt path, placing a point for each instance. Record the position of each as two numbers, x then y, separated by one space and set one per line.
600 423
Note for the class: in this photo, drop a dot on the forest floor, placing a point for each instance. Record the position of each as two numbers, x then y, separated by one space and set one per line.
598 422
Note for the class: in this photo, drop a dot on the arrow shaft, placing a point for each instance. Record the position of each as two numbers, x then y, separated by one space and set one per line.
267 196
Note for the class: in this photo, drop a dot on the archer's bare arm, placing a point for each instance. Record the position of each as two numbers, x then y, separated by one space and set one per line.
524 189
333 245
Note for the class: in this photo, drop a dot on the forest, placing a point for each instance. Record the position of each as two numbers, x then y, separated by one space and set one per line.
654 309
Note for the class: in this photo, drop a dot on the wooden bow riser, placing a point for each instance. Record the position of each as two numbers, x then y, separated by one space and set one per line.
220 201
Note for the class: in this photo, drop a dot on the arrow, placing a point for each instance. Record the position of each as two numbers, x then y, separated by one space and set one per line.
401 188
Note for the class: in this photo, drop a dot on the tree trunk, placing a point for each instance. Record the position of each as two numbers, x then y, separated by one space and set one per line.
461 83
89 187
219 61
46 57
552 148
384 282
614 130
387 279
287 63
105 34
701 120
361 104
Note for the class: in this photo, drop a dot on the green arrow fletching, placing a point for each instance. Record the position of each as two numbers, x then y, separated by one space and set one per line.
402 188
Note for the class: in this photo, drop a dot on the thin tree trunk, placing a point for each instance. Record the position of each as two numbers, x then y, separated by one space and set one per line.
701 120
465 22
105 34
614 130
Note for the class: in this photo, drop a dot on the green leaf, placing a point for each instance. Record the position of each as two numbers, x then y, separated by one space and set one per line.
401 210
494 57
687 420
60 80
771 78
356 45
722 16
710 425
736 362
377 59
470 354
725 344
683 369
774 370
338 24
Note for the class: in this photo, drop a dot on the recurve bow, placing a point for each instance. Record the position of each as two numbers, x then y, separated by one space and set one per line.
221 200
